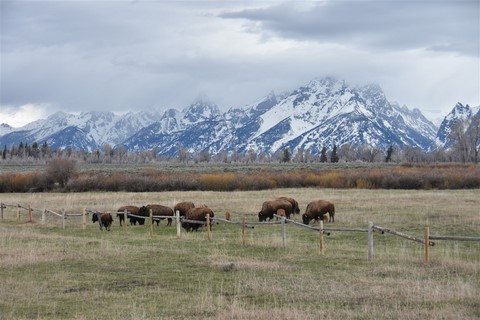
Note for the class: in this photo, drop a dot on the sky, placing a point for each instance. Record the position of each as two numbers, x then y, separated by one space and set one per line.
120 56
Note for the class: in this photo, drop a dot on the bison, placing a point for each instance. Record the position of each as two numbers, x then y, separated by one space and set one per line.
183 207
157 210
295 207
316 210
132 210
104 220
269 208
196 214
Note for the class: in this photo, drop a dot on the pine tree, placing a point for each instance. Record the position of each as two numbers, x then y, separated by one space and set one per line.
388 158
334 155
323 155
286 155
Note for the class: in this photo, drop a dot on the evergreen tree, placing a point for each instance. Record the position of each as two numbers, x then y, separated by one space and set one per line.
388 158
4 153
323 155
334 155
286 155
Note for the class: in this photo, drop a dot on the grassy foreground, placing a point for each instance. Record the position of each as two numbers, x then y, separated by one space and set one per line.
48 272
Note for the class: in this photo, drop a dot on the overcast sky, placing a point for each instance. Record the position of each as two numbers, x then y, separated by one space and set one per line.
141 55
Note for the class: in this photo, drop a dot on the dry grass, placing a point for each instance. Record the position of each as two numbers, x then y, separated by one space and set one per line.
50 273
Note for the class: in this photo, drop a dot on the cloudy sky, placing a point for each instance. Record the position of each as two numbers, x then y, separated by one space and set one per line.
141 55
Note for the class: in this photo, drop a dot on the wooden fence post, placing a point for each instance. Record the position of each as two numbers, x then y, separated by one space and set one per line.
63 218
18 212
284 233
179 227
44 211
1 210
321 238
84 218
427 245
151 222
125 217
243 231
209 235
30 218
370 240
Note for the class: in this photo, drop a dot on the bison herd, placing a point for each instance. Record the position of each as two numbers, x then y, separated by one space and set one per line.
194 217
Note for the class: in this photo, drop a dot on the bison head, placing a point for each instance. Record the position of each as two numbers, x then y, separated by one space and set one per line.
261 216
306 219
95 217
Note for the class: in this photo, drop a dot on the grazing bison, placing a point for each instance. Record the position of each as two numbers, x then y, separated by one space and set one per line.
196 214
269 208
104 220
183 207
157 210
130 209
295 207
316 210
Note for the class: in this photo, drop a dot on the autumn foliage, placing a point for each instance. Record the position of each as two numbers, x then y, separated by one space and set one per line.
406 176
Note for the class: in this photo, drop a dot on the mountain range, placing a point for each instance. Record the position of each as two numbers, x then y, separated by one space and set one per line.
323 113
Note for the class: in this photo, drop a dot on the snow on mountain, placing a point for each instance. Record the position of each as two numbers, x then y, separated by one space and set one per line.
459 112
323 113
5 128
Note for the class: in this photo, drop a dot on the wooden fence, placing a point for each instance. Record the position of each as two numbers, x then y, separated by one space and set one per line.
426 240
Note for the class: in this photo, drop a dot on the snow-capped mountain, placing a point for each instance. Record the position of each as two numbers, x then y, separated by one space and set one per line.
460 112
323 113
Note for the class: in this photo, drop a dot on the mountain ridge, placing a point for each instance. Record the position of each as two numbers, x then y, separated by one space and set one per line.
322 113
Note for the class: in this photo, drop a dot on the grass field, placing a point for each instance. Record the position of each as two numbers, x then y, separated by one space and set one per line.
48 272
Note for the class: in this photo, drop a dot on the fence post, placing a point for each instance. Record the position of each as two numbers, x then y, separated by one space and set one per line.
284 233
44 211
321 238
243 231
18 212
63 218
30 218
125 216
209 235
1 210
177 219
370 240
151 222
84 218
427 245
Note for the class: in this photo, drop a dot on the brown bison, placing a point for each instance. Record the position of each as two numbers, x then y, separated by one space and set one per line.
183 207
132 210
316 210
269 208
157 210
104 220
196 214
295 207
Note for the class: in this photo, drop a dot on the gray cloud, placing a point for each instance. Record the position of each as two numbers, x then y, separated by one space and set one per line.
376 25
119 56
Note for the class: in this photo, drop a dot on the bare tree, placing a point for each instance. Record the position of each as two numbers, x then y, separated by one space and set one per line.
473 136
61 170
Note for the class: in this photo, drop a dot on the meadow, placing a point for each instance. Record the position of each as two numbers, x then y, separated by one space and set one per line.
52 273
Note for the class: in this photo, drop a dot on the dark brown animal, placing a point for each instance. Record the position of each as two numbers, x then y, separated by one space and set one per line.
197 214
269 208
105 220
295 207
183 207
130 209
316 210
157 210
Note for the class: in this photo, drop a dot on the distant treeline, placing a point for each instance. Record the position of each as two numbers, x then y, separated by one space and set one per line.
63 175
